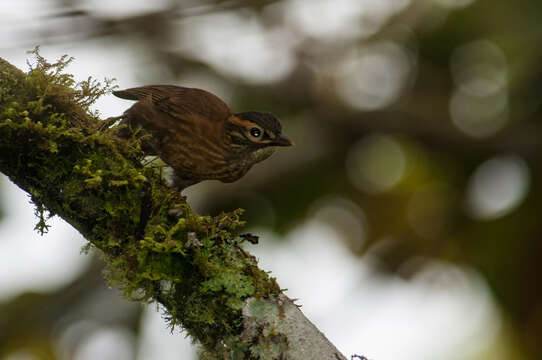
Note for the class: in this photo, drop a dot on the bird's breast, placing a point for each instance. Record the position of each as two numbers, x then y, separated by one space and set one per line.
195 155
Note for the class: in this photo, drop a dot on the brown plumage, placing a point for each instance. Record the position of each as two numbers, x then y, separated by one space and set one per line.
198 135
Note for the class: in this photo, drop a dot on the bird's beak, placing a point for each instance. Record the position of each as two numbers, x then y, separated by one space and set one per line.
282 140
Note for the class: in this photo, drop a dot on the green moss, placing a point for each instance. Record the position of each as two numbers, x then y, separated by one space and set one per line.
193 265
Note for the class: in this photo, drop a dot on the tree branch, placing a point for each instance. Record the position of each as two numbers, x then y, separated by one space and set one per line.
50 146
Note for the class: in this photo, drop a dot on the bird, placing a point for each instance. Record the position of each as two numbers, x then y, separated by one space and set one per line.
198 135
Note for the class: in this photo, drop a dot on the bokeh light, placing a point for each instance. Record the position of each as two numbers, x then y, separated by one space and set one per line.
497 187
479 68
238 45
325 18
345 216
107 344
331 20
479 105
374 76
376 163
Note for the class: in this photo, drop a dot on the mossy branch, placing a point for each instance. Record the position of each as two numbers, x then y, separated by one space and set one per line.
51 147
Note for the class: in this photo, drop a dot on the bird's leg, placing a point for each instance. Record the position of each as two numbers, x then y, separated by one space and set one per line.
107 123
180 183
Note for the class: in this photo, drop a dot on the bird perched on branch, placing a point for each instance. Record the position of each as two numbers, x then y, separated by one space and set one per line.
198 135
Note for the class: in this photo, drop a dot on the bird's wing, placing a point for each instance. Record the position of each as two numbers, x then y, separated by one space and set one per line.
180 102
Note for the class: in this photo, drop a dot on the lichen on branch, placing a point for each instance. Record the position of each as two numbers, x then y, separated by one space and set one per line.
52 147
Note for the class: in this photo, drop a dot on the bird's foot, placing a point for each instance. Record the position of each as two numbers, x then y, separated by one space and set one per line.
107 123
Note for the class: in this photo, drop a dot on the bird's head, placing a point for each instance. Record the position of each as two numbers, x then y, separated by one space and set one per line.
255 135
256 130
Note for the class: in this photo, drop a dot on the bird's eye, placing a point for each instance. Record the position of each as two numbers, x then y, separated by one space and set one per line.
255 132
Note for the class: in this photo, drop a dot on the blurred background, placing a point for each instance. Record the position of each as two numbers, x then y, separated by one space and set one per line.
405 219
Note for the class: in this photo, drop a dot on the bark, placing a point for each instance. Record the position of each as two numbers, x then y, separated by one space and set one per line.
52 146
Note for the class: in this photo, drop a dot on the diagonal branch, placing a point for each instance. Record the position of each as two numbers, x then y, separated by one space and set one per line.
193 265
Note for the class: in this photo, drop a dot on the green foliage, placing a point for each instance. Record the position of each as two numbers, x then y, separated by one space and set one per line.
193 265
52 77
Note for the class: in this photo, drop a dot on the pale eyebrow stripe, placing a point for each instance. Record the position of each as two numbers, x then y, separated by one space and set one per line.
239 122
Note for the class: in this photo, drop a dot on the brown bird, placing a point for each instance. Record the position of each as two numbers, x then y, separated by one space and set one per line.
198 135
